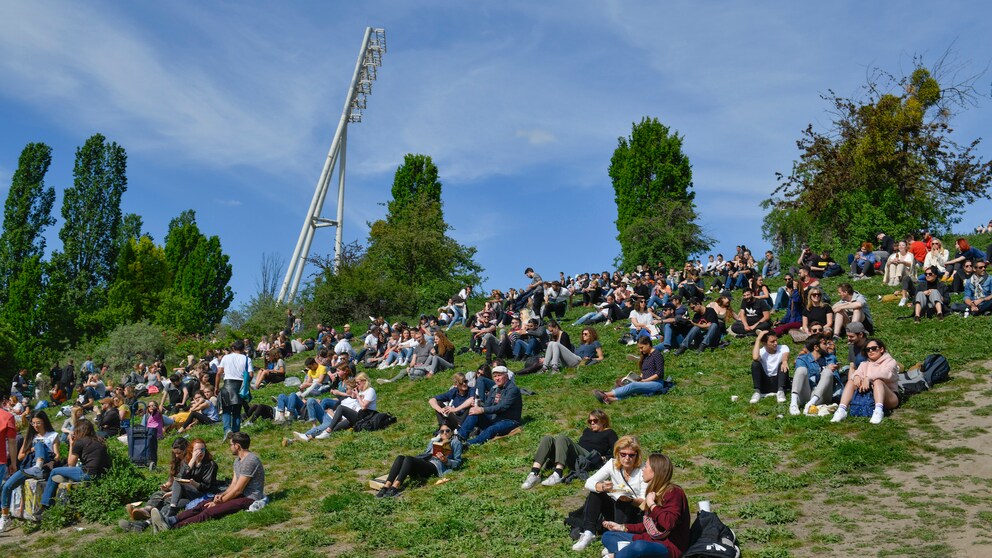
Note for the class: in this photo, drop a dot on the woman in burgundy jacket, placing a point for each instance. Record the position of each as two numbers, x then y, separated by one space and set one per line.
664 531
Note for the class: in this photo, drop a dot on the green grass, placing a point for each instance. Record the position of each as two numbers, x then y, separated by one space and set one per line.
756 468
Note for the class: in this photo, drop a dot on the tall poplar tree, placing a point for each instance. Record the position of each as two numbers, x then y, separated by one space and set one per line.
27 213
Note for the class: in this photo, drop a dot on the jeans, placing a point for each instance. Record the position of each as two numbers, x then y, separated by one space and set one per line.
669 337
11 484
711 336
781 300
318 408
325 424
73 474
611 540
640 388
292 403
523 348
590 318
459 315
655 301
232 418
490 427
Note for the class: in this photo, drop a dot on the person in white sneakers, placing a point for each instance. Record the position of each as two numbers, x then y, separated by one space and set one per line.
880 374
616 491
769 367
561 450
814 381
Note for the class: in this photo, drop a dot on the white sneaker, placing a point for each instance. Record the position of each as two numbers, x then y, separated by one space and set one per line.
780 397
605 552
279 418
301 436
584 540
531 480
877 415
322 436
840 415
554 479
6 523
794 410
755 398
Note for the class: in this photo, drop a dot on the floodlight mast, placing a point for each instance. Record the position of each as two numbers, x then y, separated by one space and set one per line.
369 59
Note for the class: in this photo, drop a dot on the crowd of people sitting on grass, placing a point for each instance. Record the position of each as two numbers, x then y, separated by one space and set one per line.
662 311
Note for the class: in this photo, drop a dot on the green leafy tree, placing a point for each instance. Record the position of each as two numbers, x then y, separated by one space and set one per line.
887 163
411 245
27 213
652 181
143 277
82 272
199 295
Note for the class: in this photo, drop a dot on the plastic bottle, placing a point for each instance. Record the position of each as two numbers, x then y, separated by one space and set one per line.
967 312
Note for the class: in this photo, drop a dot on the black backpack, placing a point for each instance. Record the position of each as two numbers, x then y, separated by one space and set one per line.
936 369
369 421
709 537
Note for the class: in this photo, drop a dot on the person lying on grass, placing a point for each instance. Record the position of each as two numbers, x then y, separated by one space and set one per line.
880 375
652 379
247 488
664 528
443 454
597 441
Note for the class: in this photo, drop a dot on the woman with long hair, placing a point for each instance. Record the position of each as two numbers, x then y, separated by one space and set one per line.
39 448
664 528
616 490
88 459
443 454
878 374
192 475
652 379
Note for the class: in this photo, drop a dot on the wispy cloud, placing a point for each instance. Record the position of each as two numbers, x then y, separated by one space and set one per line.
229 203
536 136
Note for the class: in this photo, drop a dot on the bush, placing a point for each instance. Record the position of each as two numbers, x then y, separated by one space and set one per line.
103 499
132 343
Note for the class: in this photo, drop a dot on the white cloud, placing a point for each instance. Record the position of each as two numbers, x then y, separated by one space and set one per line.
536 136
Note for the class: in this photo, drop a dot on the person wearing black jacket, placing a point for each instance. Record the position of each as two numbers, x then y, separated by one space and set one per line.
108 423
931 294
498 414
531 340
597 438
560 349
67 379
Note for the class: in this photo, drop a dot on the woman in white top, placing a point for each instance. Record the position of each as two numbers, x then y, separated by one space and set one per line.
898 265
642 322
937 256
616 491
360 396
769 367
231 373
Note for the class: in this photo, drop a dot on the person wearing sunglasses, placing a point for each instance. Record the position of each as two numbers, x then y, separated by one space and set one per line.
879 374
443 454
978 289
616 491
664 529
597 440
931 295
816 310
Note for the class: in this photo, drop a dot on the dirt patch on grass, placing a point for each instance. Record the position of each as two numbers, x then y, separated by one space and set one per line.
939 506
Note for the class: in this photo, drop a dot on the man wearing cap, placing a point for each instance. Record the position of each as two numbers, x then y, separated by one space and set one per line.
498 414
857 338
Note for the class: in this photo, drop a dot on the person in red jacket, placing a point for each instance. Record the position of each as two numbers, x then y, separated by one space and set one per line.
664 530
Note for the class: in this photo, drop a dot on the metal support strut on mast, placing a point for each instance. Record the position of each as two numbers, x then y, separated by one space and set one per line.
369 59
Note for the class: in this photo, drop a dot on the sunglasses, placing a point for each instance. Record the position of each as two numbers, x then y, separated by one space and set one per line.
593 421
873 348
628 455
445 431
979 267
930 273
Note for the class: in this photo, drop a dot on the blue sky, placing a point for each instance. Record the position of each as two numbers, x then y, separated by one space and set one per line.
229 108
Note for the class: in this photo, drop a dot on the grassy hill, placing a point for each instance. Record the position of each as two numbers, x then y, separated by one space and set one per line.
759 468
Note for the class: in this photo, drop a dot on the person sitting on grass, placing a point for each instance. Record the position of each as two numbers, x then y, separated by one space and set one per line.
201 411
560 350
931 295
596 442
652 380
443 454
707 327
769 367
451 407
817 311
753 316
361 396
616 491
421 356
247 488
664 529
192 475
880 374
88 459
978 290
274 371
814 381
39 448
852 307
498 413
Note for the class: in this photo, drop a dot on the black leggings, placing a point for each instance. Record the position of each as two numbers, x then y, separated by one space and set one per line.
407 465
199 417
261 411
343 418
600 504
765 384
